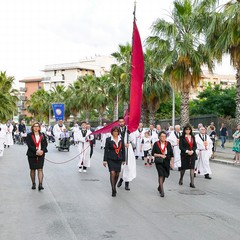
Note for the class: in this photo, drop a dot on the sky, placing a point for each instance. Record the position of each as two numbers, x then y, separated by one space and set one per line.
36 33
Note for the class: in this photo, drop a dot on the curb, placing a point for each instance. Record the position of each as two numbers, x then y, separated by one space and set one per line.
226 162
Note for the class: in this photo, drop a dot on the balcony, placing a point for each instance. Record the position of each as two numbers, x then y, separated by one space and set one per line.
54 79
22 89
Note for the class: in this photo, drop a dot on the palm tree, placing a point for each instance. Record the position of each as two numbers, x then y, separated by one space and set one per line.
223 37
8 97
177 45
155 90
38 105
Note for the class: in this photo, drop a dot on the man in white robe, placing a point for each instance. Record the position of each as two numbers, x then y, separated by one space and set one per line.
57 130
139 135
2 139
174 140
76 133
128 171
8 128
204 148
153 133
84 147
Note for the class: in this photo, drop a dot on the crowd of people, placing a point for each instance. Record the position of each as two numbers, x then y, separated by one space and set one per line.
170 149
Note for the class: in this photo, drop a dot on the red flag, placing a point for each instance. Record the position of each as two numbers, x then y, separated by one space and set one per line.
108 128
137 79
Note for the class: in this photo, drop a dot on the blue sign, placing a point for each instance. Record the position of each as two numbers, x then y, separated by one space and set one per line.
58 111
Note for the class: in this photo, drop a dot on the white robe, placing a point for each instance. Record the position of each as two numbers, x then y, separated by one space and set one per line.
76 133
104 136
138 141
176 151
204 154
128 171
154 136
2 140
8 131
84 149
57 131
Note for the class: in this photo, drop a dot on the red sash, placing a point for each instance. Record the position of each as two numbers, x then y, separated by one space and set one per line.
37 143
117 149
160 147
190 143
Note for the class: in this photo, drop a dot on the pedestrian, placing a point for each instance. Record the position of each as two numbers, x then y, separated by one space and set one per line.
204 149
236 144
128 171
37 147
8 128
223 134
211 128
146 147
22 132
163 158
85 137
92 142
174 140
187 145
139 134
114 156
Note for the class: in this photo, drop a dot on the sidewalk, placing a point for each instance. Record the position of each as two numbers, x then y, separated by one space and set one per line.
224 156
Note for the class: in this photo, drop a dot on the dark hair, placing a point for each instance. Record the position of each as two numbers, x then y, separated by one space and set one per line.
186 127
35 124
120 118
83 122
162 132
115 128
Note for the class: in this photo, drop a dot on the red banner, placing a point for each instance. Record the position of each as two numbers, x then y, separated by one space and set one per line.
137 79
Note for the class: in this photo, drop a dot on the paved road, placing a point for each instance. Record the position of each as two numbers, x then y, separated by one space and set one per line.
79 205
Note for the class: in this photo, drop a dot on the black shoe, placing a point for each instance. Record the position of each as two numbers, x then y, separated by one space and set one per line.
179 169
40 187
114 193
142 158
34 186
207 176
180 182
192 185
127 186
136 157
120 182
162 194
195 174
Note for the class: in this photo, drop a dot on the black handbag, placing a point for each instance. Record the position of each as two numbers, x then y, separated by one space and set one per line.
158 160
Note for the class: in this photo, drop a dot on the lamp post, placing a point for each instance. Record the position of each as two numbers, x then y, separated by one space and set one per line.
173 107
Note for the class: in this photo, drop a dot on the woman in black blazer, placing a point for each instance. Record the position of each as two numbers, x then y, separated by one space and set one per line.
114 156
162 149
37 147
188 146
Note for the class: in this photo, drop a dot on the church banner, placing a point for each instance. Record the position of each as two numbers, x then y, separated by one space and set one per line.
58 111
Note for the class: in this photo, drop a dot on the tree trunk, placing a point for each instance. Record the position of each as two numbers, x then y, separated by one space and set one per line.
184 118
151 116
100 118
115 117
144 114
125 108
87 115
238 96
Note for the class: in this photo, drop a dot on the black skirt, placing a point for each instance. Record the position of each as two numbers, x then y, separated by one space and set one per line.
163 168
114 165
187 162
36 163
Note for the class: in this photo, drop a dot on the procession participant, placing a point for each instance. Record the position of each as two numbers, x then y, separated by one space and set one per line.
22 132
153 133
43 129
76 133
104 136
128 172
236 144
92 142
84 147
174 140
114 156
57 129
146 147
2 139
213 135
139 134
37 147
204 148
187 145
158 128
8 128
163 154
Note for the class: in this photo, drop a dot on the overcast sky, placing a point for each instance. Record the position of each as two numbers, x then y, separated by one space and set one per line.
37 33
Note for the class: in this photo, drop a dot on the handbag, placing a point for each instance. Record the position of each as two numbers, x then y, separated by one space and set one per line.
158 160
